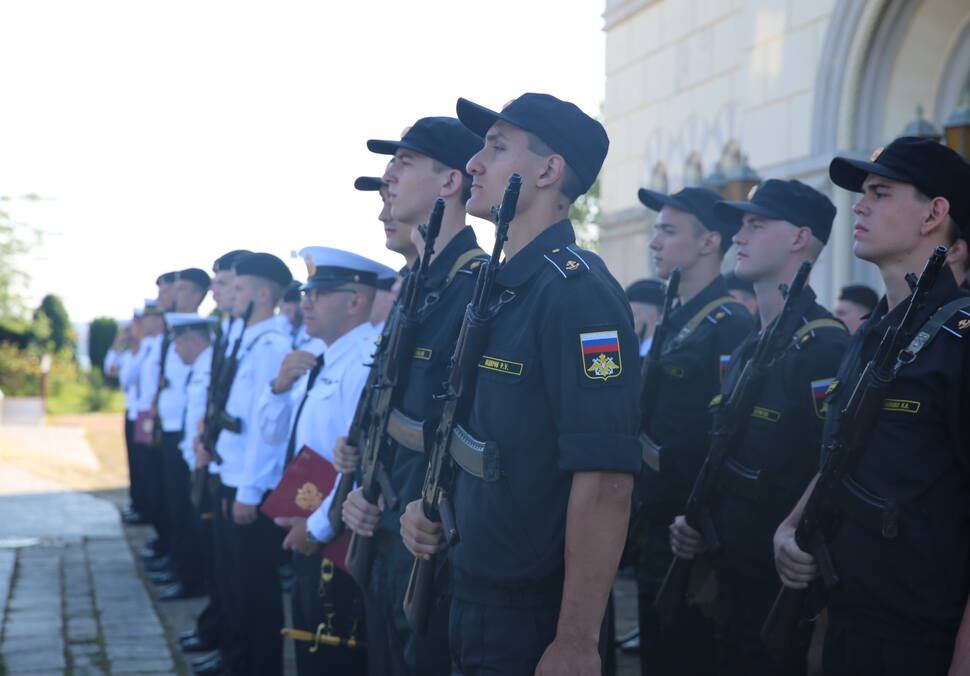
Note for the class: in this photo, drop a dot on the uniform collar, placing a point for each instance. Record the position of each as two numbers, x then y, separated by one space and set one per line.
521 267
683 314
943 290
204 357
269 323
348 342
439 268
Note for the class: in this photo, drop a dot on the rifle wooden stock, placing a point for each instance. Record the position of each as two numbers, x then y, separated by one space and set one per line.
730 424
389 381
440 475
849 440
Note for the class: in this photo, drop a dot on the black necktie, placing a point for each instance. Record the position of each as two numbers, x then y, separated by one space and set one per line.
291 446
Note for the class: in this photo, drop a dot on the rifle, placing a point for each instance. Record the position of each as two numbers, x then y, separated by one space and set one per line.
162 384
220 382
730 423
400 347
650 371
841 453
216 418
459 389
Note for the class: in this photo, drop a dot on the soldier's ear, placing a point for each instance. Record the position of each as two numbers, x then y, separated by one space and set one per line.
552 171
938 209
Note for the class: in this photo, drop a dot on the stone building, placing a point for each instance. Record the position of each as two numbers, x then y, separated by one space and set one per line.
696 89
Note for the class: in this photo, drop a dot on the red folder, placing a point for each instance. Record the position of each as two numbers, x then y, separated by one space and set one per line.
144 425
306 483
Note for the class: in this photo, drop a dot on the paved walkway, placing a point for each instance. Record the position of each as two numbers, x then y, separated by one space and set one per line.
71 599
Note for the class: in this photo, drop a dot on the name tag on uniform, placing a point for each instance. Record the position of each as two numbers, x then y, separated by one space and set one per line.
513 368
901 405
762 413
422 353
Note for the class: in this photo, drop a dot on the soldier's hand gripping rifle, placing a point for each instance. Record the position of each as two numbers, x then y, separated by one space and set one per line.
440 475
729 424
842 452
400 348
651 369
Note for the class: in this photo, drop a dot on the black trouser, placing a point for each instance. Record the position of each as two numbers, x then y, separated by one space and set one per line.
404 652
743 603
493 640
181 518
324 594
687 647
136 489
208 625
154 484
247 558
850 653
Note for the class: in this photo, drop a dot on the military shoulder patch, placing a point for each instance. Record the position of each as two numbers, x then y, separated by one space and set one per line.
820 390
724 362
600 352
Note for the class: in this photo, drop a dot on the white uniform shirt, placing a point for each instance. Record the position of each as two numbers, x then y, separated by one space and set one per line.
645 346
328 411
128 378
148 373
196 393
171 400
250 464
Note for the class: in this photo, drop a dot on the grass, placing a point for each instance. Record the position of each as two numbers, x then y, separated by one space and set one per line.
83 398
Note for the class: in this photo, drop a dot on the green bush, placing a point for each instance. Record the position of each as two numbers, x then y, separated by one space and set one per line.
19 371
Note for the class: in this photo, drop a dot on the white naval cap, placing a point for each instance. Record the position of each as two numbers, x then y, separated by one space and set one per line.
328 268
151 307
176 320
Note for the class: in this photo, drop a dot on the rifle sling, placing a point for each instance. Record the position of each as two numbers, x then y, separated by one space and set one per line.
817 324
696 320
931 328
478 458
406 431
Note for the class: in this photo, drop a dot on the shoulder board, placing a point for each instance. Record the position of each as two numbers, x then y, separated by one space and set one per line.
568 261
806 332
714 312
466 264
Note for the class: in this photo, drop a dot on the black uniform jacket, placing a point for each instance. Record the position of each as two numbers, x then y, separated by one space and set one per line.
693 370
780 441
442 306
911 587
557 392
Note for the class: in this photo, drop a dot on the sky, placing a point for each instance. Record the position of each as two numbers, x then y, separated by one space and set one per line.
162 134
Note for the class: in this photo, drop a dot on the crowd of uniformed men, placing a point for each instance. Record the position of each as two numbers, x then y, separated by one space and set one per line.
583 462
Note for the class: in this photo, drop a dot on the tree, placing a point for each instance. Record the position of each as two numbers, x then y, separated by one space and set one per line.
15 239
61 334
101 335
585 213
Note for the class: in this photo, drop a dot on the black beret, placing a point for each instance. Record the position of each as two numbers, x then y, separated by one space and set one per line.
444 139
697 201
226 260
196 276
936 170
649 291
166 278
735 283
861 294
369 183
291 294
581 140
791 201
264 265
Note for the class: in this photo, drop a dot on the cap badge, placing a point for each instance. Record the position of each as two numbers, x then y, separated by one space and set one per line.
356 278
311 267
963 324
572 265
752 192
875 154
